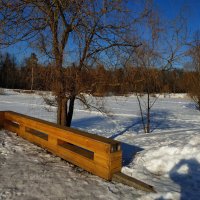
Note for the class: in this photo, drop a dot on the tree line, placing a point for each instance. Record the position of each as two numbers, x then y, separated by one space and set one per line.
97 81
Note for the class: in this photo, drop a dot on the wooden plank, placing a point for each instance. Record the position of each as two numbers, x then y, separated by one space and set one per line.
52 140
22 131
79 161
21 118
75 131
79 140
102 162
102 172
83 152
130 181
36 140
9 126
12 123
74 158
108 162
82 162
90 144
39 134
116 164
116 155
1 119
95 154
110 156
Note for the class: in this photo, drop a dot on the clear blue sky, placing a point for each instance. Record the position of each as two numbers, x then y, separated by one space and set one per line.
190 8
167 8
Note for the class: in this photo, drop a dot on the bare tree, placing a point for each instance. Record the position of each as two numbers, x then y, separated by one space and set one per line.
65 30
193 78
162 48
148 85
31 63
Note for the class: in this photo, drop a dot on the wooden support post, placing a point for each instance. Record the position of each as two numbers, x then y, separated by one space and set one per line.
1 119
132 182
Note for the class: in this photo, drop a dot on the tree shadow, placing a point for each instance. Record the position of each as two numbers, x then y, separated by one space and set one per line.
135 126
88 122
161 119
128 153
165 120
187 175
192 106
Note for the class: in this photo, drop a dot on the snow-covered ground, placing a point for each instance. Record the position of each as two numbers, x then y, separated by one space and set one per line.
168 158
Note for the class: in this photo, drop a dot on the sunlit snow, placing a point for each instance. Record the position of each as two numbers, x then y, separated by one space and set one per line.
168 158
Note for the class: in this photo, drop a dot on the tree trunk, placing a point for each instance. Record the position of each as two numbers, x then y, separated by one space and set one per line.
59 110
71 111
32 78
64 111
141 113
65 105
59 90
148 113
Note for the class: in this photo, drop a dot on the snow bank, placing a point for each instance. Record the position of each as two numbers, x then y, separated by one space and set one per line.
171 164
161 160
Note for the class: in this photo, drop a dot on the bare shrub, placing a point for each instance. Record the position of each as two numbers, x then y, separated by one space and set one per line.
50 101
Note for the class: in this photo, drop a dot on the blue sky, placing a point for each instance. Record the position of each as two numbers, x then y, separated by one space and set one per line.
190 8
167 8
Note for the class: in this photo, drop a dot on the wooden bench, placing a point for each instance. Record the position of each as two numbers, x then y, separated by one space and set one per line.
98 155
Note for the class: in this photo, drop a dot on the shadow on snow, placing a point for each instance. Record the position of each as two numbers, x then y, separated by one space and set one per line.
128 150
187 175
89 122
128 153
161 119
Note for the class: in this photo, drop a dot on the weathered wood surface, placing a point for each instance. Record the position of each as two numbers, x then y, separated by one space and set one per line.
132 182
98 155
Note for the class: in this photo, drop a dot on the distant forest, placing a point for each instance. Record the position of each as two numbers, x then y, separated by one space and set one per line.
98 80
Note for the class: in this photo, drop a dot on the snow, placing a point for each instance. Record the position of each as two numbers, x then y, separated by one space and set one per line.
29 172
168 158
171 164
